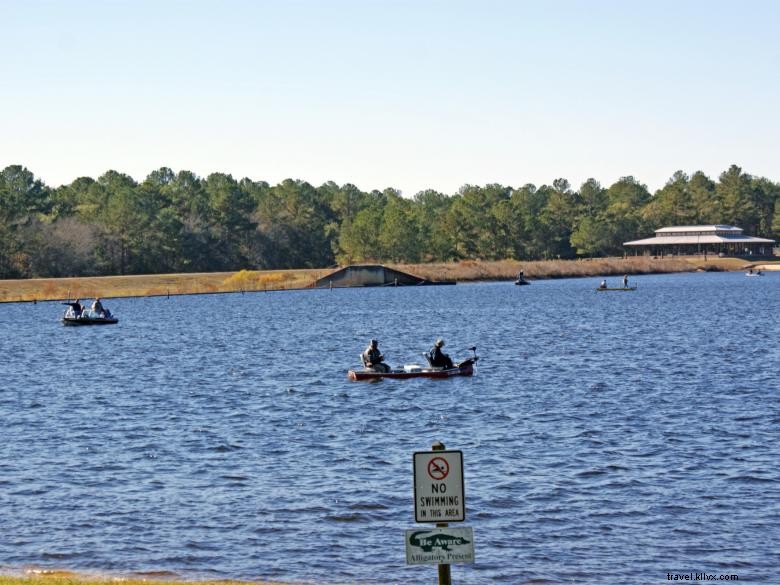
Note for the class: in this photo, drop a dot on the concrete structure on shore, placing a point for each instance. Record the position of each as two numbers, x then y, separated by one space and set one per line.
370 275
702 239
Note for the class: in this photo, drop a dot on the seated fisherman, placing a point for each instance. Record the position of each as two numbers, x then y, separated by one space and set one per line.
97 308
438 358
373 359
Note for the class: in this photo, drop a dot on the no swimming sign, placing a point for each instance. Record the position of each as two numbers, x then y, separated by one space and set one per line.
438 486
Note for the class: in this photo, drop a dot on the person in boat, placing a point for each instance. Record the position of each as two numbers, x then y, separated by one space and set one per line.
438 358
97 308
76 307
603 284
373 358
625 281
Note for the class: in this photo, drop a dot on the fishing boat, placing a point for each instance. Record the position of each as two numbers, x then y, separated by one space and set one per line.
754 274
520 280
87 317
86 320
464 368
621 288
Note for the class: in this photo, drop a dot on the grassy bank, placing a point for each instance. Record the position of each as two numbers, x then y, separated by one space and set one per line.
41 289
470 270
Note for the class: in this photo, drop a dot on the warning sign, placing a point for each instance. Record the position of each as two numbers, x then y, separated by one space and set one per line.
440 546
438 486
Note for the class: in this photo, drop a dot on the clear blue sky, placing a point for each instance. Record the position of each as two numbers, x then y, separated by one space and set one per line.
407 94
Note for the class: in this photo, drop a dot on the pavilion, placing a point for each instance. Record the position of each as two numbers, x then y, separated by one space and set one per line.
702 239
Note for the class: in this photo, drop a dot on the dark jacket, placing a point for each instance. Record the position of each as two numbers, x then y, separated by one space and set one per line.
372 356
439 359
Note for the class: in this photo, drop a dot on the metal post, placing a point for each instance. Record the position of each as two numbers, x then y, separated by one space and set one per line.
445 578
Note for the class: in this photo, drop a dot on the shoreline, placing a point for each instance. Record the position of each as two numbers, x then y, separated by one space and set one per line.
65 577
155 285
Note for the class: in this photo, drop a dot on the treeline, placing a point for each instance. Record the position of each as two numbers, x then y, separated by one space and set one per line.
179 222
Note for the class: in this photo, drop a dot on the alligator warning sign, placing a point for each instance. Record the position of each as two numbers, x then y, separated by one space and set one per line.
440 546
438 486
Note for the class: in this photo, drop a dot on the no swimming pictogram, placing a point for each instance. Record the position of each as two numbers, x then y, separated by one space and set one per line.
438 468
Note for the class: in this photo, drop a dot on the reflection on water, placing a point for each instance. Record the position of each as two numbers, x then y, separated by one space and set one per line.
626 434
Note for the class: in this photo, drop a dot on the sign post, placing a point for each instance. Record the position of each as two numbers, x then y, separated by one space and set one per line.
439 498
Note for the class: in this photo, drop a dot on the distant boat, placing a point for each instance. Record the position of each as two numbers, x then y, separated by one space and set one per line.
464 368
622 288
520 281
413 371
754 274
87 316
87 320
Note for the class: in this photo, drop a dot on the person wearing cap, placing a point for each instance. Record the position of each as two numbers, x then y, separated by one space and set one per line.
373 359
438 358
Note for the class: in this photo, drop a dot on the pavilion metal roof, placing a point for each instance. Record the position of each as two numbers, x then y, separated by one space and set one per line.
707 239
698 234
703 229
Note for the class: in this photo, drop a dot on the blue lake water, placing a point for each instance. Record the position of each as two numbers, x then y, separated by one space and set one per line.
607 437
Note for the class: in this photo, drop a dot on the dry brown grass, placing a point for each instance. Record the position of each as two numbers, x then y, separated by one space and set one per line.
248 280
40 289
470 270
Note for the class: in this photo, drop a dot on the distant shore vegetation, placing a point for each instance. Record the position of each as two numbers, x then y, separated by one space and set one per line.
178 222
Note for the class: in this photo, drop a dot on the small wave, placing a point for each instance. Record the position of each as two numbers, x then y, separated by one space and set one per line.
348 518
751 479
367 507
591 473
225 448
59 556
237 478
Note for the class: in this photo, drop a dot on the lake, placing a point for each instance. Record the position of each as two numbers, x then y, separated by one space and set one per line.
607 437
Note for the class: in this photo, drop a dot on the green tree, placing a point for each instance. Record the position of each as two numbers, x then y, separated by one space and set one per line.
735 198
296 220
436 241
527 205
671 205
399 235
592 236
559 216
627 198
21 194
358 239
231 227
